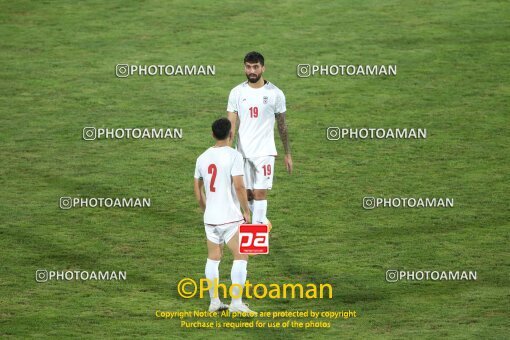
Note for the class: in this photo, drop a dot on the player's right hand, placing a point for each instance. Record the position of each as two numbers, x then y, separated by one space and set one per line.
247 217
288 163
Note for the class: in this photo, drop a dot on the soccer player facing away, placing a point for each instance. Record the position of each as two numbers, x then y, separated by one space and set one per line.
220 171
257 104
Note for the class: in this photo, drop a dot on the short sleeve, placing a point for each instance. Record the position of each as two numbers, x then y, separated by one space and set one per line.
238 166
197 171
280 106
232 101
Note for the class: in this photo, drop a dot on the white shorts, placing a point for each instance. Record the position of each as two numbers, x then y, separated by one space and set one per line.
258 172
222 233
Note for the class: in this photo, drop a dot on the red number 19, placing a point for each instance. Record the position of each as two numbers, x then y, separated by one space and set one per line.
254 112
267 169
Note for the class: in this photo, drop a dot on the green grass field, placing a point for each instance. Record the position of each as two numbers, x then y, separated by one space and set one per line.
57 77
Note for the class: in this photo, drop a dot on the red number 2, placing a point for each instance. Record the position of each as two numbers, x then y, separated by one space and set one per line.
212 170
267 169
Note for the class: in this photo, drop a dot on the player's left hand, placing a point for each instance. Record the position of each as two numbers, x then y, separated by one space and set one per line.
288 163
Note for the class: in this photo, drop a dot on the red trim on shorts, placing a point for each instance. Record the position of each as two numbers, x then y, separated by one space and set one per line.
216 225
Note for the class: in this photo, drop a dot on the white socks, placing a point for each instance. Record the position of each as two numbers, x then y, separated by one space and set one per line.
259 212
212 273
238 277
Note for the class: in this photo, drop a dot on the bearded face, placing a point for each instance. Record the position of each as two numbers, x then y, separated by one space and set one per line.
253 71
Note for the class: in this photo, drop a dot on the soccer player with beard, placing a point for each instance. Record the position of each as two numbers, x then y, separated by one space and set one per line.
257 104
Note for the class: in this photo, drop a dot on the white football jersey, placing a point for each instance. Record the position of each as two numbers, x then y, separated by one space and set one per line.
215 167
256 109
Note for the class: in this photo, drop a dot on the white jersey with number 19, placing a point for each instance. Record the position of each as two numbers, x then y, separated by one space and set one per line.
215 167
256 109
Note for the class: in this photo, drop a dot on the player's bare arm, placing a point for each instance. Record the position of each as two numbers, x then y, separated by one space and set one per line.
242 197
232 116
284 136
199 193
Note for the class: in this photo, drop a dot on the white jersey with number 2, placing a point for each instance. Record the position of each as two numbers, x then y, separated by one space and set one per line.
256 109
215 167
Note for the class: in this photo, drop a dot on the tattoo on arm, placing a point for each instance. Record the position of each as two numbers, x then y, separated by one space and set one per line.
284 134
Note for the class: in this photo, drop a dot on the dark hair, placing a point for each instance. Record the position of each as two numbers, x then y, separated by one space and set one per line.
221 128
254 57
